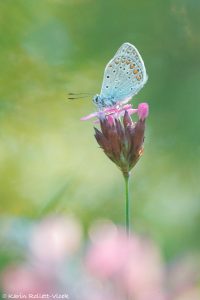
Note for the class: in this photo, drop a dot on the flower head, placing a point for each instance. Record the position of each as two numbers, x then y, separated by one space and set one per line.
120 138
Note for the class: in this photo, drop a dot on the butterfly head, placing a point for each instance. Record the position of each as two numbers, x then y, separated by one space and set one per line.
98 101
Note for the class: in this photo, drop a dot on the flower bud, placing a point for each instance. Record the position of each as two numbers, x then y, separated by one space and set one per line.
121 138
143 111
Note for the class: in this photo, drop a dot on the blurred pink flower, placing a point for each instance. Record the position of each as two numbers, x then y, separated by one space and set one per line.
26 280
133 264
143 275
106 257
184 278
190 293
55 238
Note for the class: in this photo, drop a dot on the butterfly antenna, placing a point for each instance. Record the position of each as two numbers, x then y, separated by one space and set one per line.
77 94
78 97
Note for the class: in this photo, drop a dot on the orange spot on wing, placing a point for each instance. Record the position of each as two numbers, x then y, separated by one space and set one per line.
132 66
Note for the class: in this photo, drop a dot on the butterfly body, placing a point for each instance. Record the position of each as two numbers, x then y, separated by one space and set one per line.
102 101
124 76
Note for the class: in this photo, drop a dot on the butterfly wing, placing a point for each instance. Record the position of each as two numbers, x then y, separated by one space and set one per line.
124 75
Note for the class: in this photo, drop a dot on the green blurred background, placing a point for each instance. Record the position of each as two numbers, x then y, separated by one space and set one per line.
50 161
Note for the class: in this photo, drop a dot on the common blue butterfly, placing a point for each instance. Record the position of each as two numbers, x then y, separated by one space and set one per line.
124 76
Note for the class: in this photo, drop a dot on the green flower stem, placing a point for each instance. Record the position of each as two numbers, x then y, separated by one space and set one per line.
127 210
127 196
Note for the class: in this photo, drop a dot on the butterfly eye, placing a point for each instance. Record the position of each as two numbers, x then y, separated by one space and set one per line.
96 99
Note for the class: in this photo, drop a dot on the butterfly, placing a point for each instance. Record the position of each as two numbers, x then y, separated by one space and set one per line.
124 76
